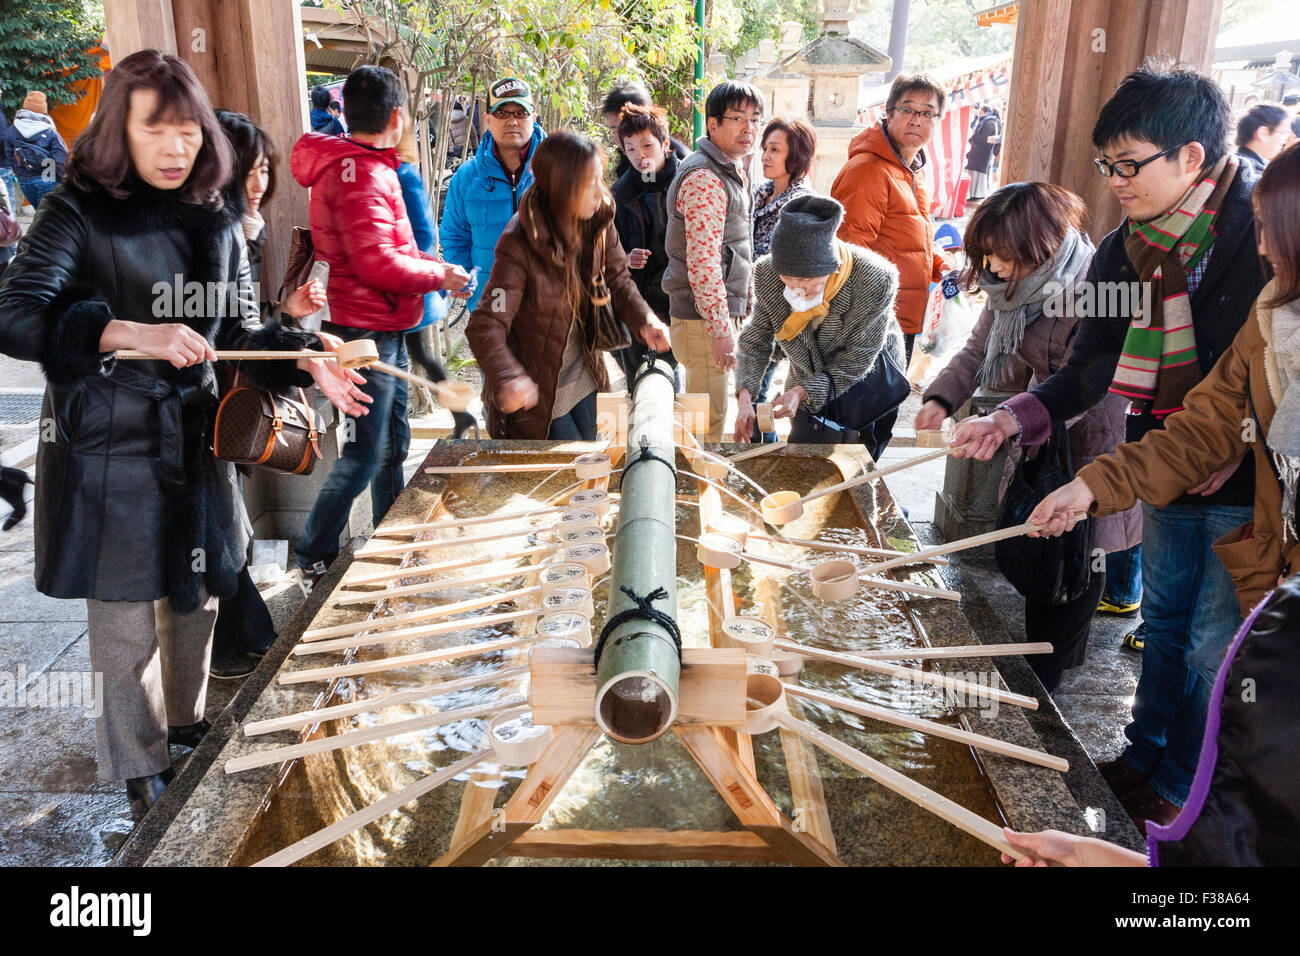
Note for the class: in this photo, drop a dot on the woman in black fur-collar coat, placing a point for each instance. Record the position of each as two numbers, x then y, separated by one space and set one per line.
137 250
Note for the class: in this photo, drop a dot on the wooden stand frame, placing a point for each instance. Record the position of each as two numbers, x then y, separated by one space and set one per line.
711 735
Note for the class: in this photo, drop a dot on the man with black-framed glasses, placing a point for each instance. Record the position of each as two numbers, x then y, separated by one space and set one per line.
485 191
887 207
709 242
1170 288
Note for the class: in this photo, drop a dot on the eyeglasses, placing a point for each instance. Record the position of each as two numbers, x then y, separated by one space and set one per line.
511 114
1128 168
908 113
754 122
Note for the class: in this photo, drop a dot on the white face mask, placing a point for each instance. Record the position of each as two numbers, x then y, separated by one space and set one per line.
800 303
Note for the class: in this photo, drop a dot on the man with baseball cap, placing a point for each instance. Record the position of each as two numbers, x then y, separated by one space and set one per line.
484 193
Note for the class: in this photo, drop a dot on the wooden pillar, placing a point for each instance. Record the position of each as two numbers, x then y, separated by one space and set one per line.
248 55
131 25
1069 57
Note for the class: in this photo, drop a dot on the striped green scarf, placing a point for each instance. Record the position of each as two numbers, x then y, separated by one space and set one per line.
1158 362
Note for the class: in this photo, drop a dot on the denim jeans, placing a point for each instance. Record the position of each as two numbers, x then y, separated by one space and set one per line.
373 456
578 423
35 188
1191 613
1124 576
11 187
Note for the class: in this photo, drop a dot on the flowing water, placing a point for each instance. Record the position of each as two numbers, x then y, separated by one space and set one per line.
658 784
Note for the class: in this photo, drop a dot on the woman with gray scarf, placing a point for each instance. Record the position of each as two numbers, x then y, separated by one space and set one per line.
1029 255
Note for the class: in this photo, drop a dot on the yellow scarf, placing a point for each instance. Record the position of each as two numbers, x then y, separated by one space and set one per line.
798 321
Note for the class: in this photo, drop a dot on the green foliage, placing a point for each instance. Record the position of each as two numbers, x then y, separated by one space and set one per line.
324 79
44 46
1236 12
938 32
738 25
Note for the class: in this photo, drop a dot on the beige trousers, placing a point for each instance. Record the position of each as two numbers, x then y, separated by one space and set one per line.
693 349
155 667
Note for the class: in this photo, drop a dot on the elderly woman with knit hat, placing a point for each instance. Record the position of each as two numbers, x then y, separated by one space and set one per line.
828 305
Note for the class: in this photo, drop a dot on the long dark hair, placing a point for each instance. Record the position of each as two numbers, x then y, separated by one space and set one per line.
1024 222
101 157
249 141
557 162
1276 199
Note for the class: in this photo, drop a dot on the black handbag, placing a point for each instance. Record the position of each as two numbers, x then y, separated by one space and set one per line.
845 417
602 329
1044 570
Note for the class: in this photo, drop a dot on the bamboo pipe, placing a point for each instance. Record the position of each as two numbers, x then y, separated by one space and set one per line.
377 810
962 544
365 705
637 674
979 741
909 673
277 755
923 796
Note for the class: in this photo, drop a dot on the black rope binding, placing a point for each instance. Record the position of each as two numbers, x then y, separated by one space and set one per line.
651 360
646 611
647 454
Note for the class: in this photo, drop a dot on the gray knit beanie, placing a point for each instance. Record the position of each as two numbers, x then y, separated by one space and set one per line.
803 242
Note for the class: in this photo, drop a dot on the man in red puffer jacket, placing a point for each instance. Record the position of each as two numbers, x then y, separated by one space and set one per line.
377 281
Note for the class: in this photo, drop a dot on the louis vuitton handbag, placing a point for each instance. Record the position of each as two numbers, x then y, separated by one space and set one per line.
257 427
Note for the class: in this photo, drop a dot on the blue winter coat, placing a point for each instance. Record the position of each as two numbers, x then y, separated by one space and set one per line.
426 234
323 121
480 201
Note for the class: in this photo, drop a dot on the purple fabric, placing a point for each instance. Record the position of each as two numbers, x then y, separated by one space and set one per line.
1033 417
1182 823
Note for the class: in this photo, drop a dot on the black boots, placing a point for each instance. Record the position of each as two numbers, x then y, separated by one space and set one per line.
189 735
12 483
143 792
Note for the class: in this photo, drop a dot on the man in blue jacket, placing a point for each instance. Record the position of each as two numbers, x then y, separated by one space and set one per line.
485 192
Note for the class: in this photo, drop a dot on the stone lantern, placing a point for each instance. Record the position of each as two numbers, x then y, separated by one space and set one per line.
819 82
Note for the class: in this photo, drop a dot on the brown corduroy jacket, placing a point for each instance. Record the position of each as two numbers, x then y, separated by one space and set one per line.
521 323
1214 429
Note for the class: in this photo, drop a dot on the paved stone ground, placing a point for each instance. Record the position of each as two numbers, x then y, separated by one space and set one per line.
53 811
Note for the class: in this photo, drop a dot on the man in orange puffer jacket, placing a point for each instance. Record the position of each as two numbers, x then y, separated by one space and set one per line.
886 205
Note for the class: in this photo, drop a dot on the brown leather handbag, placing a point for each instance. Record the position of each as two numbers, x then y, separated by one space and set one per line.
603 330
257 427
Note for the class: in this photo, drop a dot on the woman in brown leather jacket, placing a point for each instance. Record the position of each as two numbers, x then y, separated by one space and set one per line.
539 377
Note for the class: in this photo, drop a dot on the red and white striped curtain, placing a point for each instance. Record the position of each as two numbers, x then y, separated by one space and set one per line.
945 171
